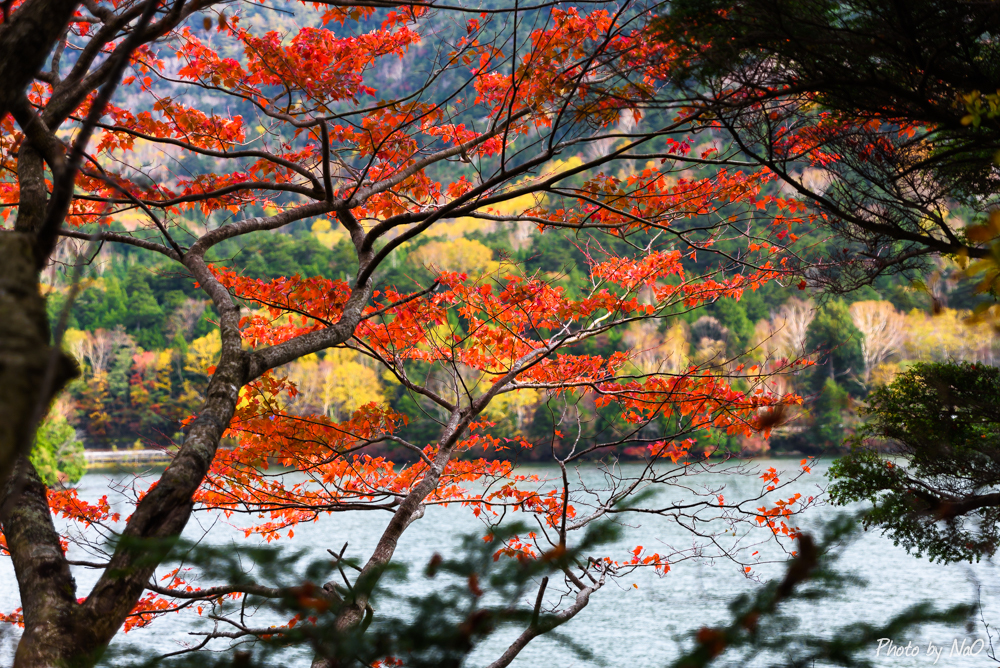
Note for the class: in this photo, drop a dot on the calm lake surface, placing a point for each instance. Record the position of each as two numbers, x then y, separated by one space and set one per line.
644 625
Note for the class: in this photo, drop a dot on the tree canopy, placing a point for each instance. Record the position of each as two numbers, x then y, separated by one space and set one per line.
926 459
883 115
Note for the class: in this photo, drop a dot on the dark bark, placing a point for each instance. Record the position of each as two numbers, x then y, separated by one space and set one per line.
33 191
25 42
31 372
53 623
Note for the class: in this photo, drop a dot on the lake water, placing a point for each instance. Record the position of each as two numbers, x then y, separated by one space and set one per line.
643 625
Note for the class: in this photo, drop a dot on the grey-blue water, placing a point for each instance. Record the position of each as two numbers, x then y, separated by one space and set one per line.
647 624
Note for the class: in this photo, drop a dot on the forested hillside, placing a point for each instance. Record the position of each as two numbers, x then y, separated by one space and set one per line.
147 336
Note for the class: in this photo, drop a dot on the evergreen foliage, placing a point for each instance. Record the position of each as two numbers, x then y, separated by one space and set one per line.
58 454
839 342
928 460
904 94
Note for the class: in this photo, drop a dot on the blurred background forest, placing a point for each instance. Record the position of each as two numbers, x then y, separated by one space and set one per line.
146 337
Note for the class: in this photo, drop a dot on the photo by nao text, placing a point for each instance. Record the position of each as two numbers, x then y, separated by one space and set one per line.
967 647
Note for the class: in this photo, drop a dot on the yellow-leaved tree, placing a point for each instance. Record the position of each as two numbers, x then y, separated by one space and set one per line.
334 385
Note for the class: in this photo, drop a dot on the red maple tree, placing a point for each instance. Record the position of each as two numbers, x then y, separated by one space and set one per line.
502 96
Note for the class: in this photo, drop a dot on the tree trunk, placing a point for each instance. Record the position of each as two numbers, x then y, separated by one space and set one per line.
31 372
54 628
